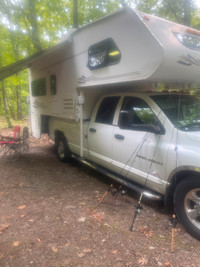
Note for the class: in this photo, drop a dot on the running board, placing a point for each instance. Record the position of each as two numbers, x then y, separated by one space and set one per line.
127 183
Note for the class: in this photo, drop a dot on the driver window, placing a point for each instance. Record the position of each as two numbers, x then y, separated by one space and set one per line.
135 111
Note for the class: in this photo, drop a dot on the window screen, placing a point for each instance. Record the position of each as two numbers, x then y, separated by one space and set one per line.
107 109
103 54
38 87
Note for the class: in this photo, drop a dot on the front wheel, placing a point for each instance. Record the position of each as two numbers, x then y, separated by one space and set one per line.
63 152
187 205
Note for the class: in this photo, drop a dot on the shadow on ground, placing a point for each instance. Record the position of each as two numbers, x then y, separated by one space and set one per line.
50 216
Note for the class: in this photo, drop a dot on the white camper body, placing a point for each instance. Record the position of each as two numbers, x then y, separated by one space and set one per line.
86 93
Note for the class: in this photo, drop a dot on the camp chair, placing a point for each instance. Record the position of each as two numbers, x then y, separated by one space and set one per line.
14 145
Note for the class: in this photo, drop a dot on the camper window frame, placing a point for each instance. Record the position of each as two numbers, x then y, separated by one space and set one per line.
183 41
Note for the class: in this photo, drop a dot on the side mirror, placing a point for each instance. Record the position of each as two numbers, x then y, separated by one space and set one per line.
157 128
128 121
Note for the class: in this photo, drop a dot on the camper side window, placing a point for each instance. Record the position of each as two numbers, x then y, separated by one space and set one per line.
189 40
38 87
103 54
53 84
107 109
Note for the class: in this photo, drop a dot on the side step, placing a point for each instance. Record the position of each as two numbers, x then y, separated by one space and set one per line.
125 182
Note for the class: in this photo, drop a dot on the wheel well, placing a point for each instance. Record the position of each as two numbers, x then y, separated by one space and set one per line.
59 133
176 179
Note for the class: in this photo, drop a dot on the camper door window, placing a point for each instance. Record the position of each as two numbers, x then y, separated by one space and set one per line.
38 87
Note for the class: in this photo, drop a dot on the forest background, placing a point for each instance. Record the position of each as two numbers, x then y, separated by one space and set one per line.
29 26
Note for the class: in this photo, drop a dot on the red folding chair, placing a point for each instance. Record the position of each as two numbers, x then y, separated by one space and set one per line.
10 145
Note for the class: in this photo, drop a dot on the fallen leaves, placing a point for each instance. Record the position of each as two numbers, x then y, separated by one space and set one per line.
87 250
4 227
143 261
81 255
114 252
22 207
167 264
16 244
84 252
144 229
97 215
54 249
82 219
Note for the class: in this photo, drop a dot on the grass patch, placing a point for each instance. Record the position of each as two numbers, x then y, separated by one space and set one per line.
22 123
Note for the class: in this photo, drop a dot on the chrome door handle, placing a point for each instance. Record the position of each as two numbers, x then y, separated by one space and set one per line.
119 136
93 130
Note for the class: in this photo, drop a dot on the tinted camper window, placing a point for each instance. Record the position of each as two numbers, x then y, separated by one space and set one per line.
188 40
38 87
53 84
103 54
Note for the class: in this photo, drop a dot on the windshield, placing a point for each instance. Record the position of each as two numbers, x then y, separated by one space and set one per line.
182 110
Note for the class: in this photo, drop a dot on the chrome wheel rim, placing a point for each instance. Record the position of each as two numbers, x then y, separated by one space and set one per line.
192 206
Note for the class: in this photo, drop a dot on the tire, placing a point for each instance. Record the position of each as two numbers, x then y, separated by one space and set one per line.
63 152
187 205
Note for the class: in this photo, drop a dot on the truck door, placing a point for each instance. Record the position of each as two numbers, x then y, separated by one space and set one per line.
100 131
139 151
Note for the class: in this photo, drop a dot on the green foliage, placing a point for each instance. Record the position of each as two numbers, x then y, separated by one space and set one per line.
180 11
27 26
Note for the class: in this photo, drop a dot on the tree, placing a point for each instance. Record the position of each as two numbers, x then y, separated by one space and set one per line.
28 26
180 11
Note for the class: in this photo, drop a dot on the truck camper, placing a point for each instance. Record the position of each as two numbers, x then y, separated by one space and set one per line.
115 94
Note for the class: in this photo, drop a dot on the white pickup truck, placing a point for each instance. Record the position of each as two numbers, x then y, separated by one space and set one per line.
88 93
147 141
83 95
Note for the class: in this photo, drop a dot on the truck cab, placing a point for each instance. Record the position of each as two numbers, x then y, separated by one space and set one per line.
147 139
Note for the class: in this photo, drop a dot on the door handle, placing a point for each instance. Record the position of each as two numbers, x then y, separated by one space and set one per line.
119 136
93 130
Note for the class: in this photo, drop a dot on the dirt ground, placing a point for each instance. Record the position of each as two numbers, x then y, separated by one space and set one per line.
50 216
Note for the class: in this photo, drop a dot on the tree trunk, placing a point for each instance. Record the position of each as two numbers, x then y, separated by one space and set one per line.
75 14
33 22
18 96
187 12
7 116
